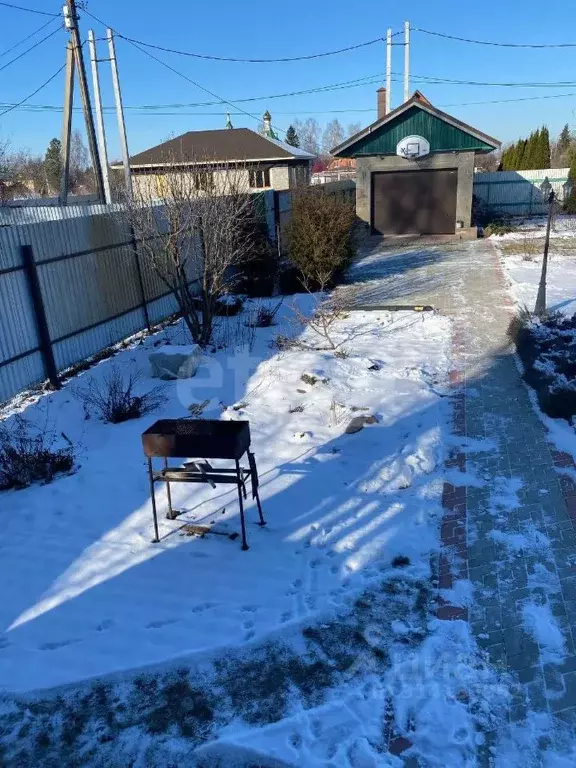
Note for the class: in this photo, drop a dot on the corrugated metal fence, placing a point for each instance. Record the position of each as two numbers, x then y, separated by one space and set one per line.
519 193
71 284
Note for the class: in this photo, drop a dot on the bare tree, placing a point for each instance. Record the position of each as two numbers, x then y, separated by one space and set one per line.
81 176
353 129
309 134
191 228
332 136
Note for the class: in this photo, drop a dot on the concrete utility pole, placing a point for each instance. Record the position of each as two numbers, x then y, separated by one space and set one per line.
67 123
71 24
99 116
406 60
388 68
120 113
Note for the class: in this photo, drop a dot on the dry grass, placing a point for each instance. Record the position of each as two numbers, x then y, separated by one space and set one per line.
531 248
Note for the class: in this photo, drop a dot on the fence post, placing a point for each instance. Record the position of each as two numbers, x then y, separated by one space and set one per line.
44 341
140 279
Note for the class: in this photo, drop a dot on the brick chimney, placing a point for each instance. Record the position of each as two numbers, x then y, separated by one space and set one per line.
381 102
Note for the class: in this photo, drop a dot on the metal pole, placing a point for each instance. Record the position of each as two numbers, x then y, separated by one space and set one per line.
388 68
99 116
406 60
42 327
120 113
71 23
67 123
540 308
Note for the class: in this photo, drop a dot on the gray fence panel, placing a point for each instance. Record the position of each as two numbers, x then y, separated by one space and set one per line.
88 343
17 324
519 193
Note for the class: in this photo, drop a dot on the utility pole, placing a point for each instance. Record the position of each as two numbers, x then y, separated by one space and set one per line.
120 113
71 24
406 61
388 68
67 123
99 116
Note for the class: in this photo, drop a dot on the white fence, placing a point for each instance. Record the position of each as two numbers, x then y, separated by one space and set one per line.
519 193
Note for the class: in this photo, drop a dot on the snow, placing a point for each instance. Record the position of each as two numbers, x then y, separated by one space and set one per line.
87 594
524 275
542 625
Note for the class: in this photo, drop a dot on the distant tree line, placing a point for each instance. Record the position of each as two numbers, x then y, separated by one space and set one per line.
23 174
310 136
528 154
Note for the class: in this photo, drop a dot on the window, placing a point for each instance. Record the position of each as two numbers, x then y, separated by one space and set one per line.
260 179
204 181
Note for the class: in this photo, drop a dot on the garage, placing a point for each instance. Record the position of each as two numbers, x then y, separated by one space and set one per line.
414 202
415 170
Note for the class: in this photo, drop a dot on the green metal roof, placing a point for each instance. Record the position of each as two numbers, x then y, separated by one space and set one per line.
442 135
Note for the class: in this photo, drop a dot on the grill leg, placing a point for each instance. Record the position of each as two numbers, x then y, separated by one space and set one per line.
156 539
241 502
171 515
254 478
257 497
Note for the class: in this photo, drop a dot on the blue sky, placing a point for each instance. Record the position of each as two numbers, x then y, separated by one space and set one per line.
273 29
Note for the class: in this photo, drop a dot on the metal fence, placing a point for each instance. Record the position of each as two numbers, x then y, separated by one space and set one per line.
519 193
69 287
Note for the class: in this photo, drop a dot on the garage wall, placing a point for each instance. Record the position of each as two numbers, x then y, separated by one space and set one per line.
462 161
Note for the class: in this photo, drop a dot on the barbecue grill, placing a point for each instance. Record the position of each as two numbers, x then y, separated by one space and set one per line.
201 439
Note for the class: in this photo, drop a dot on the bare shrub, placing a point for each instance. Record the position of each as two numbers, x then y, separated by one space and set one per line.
319 235
264 316
228 306
112 398
329 310
28 455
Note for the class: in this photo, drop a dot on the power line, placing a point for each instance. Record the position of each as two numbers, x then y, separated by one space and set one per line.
489 42
25 39
507 101
254 61
32 47
182 75
30 95
29 10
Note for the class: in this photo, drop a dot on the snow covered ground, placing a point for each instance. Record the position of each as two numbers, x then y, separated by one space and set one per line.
85 591
521 253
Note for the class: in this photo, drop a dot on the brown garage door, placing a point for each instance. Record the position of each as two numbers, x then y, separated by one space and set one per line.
414 202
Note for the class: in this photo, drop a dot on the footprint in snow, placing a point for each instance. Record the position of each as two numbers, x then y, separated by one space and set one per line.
56 645
286 616
248 624
106 624
160 623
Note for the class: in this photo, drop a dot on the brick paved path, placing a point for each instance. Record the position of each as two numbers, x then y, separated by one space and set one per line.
521 493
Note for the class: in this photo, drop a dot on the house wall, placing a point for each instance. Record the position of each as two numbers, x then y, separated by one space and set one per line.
462 161
282 177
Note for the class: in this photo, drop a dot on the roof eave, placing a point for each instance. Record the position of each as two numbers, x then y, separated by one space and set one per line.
427 107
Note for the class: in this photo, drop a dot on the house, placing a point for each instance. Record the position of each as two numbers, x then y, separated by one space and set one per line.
338 168
415 169
261 161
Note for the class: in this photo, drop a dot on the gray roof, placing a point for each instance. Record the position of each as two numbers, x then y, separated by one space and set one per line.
224 145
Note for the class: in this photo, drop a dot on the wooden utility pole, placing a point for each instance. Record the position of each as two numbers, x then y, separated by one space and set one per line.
71 24
388 69
406 61
67 123
540 308
99 116
120 113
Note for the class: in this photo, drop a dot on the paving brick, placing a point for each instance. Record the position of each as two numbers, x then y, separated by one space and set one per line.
568 698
